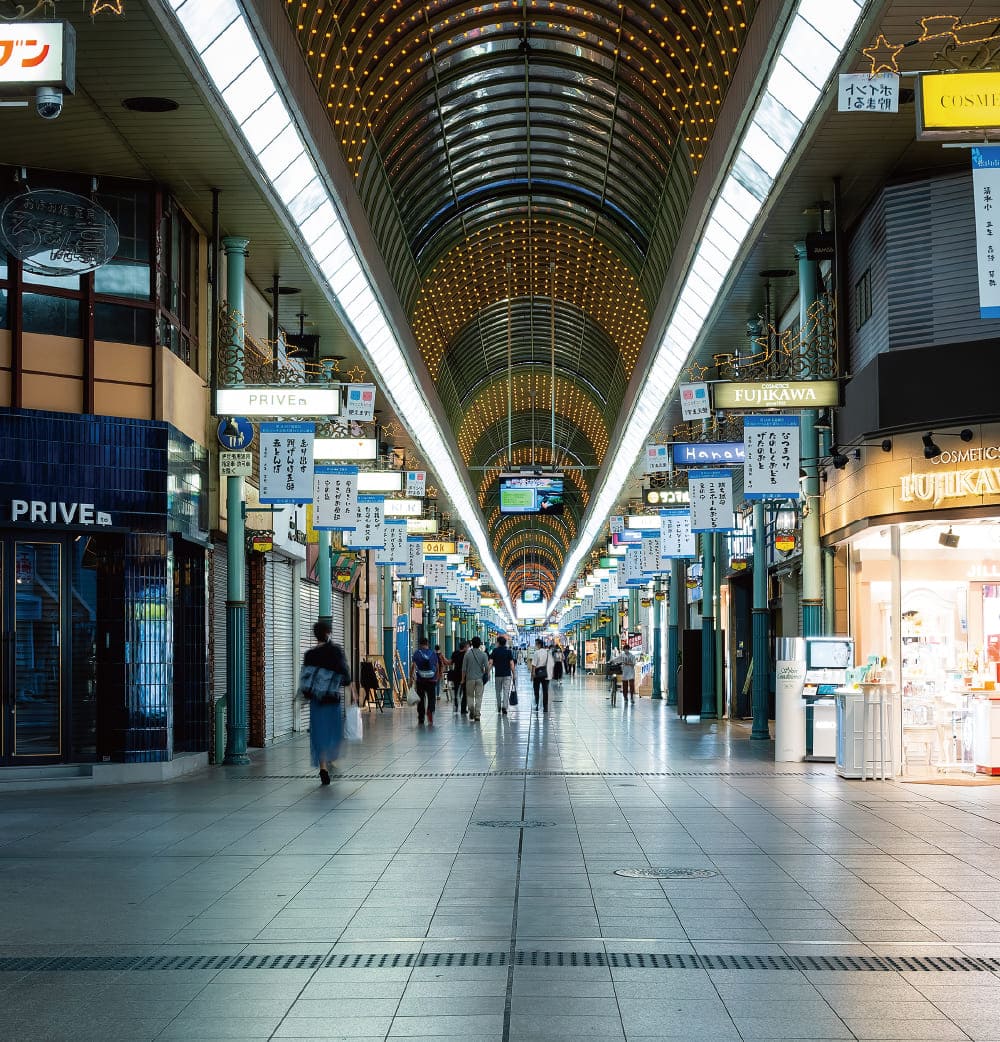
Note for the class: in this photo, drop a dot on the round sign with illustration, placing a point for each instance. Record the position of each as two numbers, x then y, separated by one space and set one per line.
57 233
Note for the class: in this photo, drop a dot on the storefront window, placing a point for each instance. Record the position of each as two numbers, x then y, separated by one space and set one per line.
942 582
128 274
177 284
54 316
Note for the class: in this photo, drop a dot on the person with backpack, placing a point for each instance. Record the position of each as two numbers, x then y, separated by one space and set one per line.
502 662
557 664
541 674
324 674
475 670
423 676
571 662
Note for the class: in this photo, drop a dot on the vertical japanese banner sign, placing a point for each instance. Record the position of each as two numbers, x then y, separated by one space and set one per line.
435 573
394 551
416 483
369 532
711 494
335 497
676 537
771 464
360 404
617 524
986 187
651 563
414 565
634 558
286 462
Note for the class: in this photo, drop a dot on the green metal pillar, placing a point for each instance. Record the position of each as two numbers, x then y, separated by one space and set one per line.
449 635
720 676
760 623
388 622
829 602
237 714
708 707
324 578
430 616
675 593
657 640
812 562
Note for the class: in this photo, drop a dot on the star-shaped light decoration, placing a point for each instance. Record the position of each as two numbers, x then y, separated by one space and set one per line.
357 374
390 429
883 55
112 6
696 371
430 492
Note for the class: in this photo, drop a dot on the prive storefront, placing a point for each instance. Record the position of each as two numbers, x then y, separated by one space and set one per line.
102 590
922 537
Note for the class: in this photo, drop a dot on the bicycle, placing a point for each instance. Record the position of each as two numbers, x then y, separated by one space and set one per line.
614 687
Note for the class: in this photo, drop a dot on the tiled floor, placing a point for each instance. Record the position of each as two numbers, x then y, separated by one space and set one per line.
407 901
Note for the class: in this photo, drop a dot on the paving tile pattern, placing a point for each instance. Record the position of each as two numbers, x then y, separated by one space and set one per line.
251 903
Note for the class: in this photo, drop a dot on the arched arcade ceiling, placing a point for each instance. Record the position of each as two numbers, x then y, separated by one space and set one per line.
525 167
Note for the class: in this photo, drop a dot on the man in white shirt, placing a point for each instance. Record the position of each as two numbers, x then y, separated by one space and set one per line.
475 667
541 674
628 676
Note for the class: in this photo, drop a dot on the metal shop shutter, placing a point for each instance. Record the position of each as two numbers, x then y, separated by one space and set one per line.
308 614
220 578
281 648
338 613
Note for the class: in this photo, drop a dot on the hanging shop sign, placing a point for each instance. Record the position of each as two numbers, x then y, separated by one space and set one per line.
617 524
379 481
702 453
785 394
38 512
958 105
695 402
859 92
422 525
651 562
416 483
369 532
280 401
439 547
436 574
359 404
394 550
414 565
657 458
784 542
335 497
286 462
676 537
711 500
463 547
986 192
37 54
771 466
357 449
403 507
57 233
344 572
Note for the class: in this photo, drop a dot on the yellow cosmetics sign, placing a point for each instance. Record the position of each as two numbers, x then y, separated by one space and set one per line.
958 105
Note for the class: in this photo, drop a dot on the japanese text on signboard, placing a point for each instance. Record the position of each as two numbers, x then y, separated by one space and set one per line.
286 462
711 500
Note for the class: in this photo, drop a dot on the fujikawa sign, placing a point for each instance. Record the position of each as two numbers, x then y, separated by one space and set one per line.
787 394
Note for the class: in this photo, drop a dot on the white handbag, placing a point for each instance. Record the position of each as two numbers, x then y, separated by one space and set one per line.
412 698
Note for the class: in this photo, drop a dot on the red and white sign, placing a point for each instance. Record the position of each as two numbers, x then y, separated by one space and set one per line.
33 54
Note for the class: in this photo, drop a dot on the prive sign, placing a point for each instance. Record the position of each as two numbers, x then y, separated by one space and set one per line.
38 512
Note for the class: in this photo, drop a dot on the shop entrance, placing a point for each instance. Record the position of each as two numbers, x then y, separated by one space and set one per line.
47 648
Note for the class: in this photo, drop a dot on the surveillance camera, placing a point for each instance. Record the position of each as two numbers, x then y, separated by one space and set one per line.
48 102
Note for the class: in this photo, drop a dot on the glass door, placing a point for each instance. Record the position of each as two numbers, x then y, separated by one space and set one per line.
31 620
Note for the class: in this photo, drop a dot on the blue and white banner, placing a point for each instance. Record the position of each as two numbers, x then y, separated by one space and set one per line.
286 462
414 565
711 500
369 532
436 573
335 497
394 551
651 563
676 537
771 467
986 191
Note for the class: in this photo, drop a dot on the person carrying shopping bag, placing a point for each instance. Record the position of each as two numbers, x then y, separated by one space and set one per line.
502 661
325 673
475 670
541 674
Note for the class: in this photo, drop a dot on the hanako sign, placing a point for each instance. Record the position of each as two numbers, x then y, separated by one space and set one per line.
57 233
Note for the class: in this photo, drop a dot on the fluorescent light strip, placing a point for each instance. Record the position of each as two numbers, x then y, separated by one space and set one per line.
808 55
227 48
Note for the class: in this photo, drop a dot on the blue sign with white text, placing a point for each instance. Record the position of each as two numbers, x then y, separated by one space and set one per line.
701 453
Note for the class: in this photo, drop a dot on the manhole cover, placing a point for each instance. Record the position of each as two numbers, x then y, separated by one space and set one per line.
665 873
514 824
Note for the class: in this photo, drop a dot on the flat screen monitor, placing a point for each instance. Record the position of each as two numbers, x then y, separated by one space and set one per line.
531 596
829 653
531 493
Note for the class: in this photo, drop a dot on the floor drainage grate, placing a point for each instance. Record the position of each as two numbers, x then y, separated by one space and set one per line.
521 957
399 776
666 873
514 824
